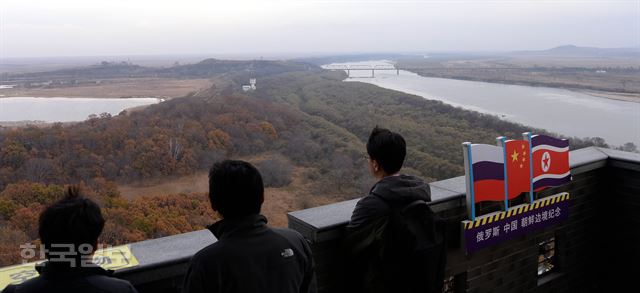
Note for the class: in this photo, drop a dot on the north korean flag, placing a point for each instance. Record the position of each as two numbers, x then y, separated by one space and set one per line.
550 161
517 165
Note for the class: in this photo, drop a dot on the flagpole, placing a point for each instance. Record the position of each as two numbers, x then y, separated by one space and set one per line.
527 137
501 142
468 165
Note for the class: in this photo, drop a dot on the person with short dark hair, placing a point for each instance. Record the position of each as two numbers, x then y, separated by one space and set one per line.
387 234
386 153
248 256
69 231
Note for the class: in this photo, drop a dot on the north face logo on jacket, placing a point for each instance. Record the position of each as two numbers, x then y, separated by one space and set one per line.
287 253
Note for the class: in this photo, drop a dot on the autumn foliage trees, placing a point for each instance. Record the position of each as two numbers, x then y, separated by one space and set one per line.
171 139
126 221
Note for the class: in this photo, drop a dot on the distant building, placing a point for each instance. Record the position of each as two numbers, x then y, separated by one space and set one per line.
251 86
46 83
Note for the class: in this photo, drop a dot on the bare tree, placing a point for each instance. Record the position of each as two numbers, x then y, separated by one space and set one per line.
175 148
276 172
38 170
629 147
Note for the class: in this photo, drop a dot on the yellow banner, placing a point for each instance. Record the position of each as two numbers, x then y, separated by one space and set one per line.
113 258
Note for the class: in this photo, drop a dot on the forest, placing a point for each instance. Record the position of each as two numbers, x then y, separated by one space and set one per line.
304 128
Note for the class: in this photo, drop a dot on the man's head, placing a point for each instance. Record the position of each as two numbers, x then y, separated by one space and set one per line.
387 151
74 220
235 189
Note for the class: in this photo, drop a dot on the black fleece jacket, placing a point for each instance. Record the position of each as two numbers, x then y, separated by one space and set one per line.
250 257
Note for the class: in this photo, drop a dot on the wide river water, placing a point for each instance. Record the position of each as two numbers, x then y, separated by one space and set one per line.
567 112
60 109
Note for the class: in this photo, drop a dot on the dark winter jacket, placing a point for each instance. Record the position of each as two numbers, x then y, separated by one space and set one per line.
401 189
251 257
62 278
364 240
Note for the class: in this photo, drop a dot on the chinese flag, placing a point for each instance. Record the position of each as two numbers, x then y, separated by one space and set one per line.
517 165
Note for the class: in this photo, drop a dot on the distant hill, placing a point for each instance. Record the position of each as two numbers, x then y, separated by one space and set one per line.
209 67
202 69
576 51
100 70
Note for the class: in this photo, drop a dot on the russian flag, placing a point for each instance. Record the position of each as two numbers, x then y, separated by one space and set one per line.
487 167
550 161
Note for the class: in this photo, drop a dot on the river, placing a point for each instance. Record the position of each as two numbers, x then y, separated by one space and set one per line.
567 112
61 109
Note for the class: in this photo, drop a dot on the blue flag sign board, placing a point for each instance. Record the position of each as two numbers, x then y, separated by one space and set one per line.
495 228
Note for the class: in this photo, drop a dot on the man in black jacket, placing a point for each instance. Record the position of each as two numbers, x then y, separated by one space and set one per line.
69 231
249 256
369 221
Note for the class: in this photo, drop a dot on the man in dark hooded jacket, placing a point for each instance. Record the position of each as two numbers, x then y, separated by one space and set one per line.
386 151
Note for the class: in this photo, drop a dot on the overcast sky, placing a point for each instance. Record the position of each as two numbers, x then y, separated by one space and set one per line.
32 28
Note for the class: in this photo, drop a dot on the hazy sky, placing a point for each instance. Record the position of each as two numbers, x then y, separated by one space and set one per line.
31 28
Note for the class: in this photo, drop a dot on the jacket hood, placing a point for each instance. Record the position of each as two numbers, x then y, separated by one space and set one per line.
402 188
228 227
